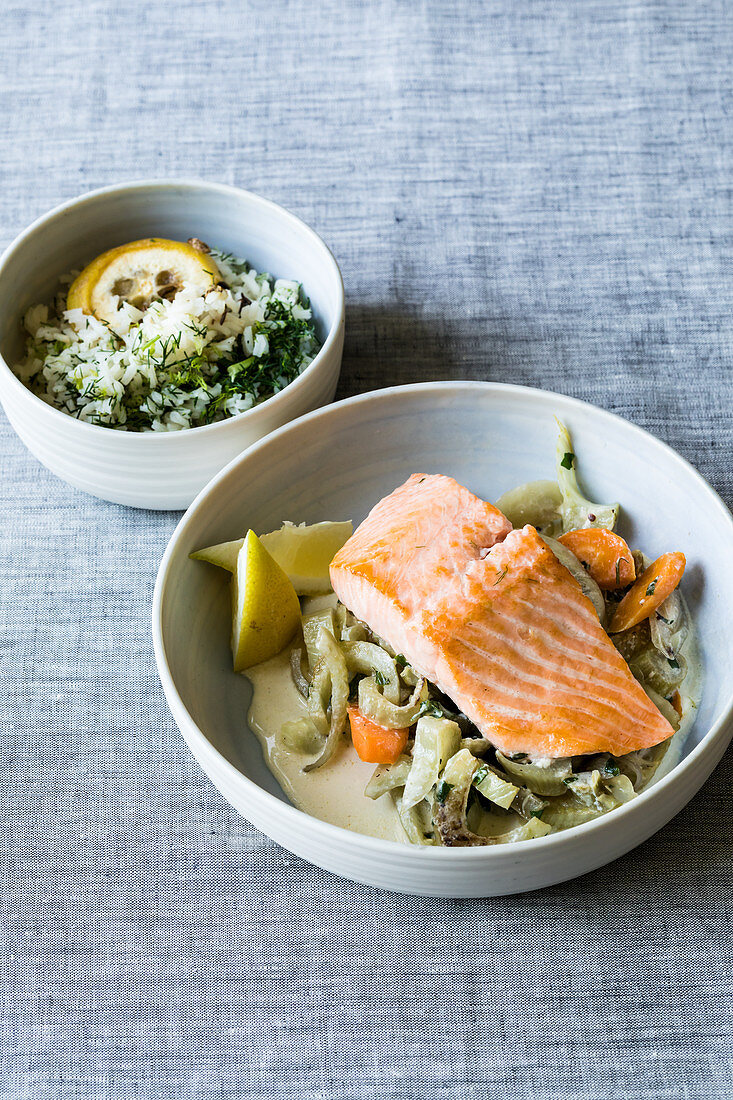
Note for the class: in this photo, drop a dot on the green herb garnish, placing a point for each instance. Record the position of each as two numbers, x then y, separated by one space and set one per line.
501 576
567 460
651 587
261 376
430 707
381 679
442 791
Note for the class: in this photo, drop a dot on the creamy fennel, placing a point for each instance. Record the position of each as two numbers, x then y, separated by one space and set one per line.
335 792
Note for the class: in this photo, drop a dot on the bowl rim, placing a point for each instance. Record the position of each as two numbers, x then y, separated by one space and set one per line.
193 184
271 804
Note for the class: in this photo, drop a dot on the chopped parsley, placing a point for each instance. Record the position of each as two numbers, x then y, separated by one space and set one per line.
611 768
381 679
673 662
400 661
567 460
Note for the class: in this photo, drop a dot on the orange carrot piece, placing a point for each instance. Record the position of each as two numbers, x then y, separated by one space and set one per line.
375 744
604 554
651 589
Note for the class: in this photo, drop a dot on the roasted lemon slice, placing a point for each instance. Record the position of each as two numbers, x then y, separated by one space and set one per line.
138 273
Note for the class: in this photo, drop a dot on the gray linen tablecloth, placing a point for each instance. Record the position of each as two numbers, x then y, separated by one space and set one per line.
527 192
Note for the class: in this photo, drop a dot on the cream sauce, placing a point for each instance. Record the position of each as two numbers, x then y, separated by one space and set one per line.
334 792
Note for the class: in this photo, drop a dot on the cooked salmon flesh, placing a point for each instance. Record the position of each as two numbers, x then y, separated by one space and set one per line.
490 616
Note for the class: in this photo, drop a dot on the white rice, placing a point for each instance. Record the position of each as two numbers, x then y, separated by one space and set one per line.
164 369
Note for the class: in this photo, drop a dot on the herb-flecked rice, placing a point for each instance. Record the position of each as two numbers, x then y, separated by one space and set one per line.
184 362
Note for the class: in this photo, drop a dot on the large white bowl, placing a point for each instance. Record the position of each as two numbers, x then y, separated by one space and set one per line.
166 470
336 463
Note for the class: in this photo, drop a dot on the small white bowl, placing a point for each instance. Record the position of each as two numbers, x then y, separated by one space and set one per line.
336 463
146 469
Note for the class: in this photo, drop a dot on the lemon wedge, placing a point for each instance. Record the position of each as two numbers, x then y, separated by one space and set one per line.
224 554
303 552
265 608
138 273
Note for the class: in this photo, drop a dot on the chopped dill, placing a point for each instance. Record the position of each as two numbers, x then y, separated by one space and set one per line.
432 709
442 791
183 362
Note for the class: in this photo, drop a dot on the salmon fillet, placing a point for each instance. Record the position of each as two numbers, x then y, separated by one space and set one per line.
417 540
493 619
519 648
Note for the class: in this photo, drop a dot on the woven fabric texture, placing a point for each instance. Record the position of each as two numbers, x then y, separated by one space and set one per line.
530 192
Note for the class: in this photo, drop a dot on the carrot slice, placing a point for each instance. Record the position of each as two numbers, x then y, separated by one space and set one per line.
651 589
604 554
375 744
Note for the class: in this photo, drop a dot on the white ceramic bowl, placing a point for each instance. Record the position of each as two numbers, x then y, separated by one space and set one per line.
151 470
336 463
